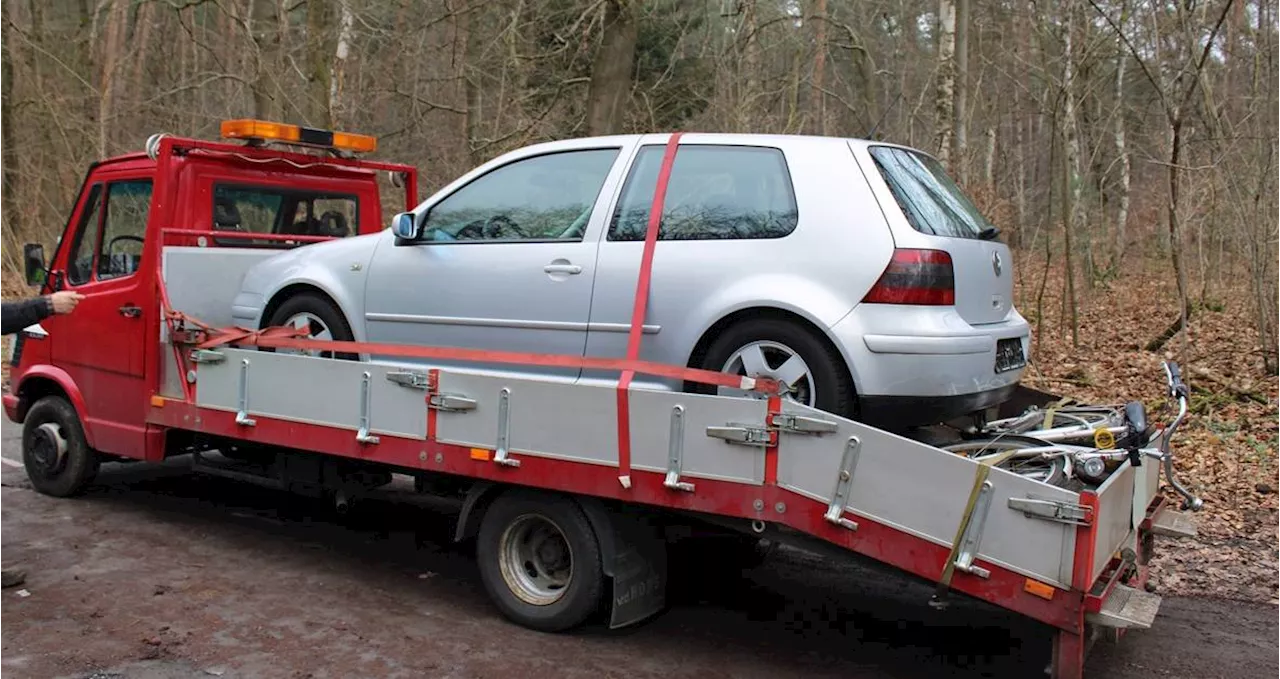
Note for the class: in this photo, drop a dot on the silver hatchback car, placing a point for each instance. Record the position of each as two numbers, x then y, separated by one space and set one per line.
855 272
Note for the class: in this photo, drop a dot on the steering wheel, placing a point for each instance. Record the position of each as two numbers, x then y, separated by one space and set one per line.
494 225
111 244
472 231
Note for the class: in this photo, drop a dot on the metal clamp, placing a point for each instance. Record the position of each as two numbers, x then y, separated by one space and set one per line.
410 379
242 401
675 452
502 453
207 356
972 535
366 410
743 435
800 424
844 482
1050 510
450 402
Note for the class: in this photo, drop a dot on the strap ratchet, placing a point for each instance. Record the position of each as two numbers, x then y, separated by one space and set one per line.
938 600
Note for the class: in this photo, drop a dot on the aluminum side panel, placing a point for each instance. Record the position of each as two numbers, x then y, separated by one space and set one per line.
314 390
703 456
547 419
1115 516
922 490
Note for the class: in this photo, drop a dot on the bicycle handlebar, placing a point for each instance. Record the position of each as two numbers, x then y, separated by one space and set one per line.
1178 390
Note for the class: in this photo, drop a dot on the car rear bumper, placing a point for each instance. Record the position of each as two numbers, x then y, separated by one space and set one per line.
925 364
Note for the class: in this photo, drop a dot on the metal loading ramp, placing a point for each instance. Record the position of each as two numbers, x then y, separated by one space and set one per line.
843 481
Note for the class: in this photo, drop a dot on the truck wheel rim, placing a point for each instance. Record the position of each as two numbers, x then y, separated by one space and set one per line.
536 560
48 449
774 360
316 329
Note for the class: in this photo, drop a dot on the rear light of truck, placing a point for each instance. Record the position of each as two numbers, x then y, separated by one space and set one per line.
923 277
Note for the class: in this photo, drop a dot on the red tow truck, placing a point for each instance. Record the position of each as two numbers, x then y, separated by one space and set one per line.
572 491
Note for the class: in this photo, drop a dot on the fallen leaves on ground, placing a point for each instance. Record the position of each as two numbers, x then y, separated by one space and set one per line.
1225 451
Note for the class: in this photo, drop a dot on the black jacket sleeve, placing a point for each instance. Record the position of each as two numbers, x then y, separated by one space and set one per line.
18 315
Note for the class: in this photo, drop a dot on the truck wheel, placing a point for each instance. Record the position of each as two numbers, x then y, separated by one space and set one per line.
57 457
540 561
321 319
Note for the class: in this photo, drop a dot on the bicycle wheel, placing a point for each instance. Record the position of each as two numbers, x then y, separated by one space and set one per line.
1034 466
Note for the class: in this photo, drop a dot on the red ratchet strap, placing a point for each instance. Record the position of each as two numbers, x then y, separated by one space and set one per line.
287 338
640 305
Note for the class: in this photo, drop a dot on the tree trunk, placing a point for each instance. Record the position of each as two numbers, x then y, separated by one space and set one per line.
8 154
944 115
959 115
266 39
748 101
817 98
339 68
319 62
610 84
1122 155
110 58
1071 174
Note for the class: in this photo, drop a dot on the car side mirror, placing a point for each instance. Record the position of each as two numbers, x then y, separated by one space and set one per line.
33 258
404 226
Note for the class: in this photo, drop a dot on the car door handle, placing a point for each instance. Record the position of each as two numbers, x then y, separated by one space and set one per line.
130 311
572 269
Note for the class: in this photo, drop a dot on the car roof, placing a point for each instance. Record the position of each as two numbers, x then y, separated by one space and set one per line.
712 137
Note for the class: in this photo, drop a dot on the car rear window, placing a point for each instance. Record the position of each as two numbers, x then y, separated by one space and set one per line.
715 192
931 201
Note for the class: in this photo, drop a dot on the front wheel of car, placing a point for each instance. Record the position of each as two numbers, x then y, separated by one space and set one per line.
321 320
810 370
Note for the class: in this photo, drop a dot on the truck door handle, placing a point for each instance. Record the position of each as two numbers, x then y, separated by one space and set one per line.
130 311
572 269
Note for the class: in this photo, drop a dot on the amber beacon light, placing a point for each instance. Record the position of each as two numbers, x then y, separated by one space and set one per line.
262 130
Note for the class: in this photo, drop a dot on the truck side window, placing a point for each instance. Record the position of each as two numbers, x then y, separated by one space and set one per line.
258 209
85 244
124 228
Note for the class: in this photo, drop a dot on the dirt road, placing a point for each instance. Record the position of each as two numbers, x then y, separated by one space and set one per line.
156 574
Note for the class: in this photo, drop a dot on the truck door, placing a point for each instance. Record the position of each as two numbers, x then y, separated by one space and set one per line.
102 345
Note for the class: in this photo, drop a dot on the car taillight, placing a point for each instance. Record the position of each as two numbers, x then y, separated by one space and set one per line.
916 277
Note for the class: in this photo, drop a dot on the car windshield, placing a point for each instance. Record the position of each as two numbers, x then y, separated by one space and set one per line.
931 201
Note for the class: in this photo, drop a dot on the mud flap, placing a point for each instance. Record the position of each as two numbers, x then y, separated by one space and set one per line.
634 556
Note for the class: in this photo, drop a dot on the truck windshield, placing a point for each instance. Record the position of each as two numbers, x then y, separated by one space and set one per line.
931 201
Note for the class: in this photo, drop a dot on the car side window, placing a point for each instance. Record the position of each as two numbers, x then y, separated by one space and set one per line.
85 243
124 228
543 198
715 192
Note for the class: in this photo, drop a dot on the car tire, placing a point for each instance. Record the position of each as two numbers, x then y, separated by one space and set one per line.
833 388
520 588
55 452
322 309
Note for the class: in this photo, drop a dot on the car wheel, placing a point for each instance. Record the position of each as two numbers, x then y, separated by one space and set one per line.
55 452
319 317
811 372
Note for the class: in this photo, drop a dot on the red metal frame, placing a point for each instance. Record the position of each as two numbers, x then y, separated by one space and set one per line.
1063 609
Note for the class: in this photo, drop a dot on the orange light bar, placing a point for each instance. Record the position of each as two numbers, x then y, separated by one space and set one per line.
296 134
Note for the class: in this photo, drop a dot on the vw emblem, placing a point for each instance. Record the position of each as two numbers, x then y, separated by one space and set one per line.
996 264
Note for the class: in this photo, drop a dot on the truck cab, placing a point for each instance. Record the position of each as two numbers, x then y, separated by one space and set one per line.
283 186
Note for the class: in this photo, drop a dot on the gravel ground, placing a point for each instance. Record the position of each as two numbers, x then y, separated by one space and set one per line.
157 574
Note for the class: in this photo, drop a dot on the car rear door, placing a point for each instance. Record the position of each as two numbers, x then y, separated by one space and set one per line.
505 261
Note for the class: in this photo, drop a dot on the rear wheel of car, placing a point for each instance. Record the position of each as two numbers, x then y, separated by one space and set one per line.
319 317
811 372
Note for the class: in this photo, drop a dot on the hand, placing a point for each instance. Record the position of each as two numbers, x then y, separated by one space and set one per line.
65 300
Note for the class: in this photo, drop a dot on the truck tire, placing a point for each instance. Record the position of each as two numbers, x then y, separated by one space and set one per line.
324 316
540 561
55 453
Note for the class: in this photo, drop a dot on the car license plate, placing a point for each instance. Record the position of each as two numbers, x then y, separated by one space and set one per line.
1009 354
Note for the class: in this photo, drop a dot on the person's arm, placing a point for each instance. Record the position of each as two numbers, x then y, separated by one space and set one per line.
18 315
